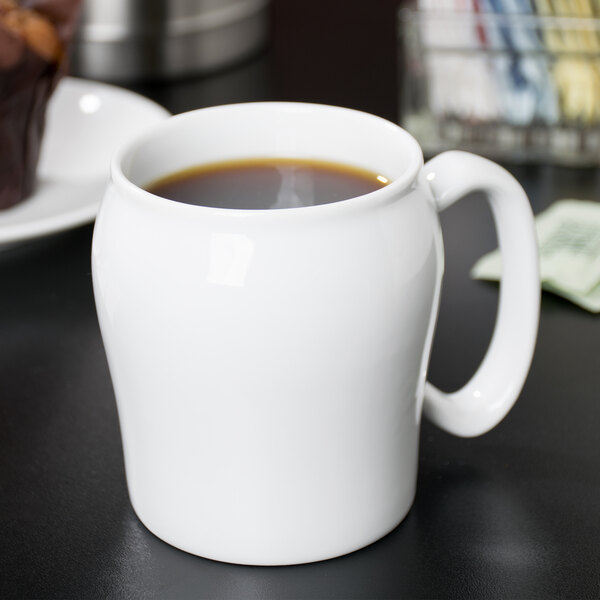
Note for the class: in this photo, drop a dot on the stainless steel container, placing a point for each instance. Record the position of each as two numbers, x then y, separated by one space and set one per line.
130 40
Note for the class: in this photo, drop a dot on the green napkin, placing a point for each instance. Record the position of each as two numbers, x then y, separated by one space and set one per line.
569 243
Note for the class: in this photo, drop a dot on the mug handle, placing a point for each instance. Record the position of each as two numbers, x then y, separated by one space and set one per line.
484 401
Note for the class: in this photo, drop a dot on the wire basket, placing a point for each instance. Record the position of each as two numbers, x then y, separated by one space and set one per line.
518 87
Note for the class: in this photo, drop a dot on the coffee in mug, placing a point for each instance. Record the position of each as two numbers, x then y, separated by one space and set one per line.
267 183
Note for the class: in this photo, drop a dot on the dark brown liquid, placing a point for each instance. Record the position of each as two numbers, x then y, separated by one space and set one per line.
267 184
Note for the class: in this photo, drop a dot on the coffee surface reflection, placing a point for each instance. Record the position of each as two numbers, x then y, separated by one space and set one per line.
267 183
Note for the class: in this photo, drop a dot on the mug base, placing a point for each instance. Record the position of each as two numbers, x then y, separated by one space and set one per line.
277 558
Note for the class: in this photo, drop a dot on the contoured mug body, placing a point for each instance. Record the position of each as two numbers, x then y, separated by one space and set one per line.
269 366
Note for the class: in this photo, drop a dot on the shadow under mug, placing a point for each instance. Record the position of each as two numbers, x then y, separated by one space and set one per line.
269 366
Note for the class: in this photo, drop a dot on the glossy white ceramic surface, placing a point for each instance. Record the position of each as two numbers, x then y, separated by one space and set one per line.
269 366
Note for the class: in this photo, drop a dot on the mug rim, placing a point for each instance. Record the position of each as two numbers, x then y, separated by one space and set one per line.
397 187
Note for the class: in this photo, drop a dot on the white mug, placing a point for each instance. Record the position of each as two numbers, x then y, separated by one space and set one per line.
269 366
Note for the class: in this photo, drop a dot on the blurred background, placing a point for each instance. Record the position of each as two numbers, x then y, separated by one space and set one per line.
329 42
515 80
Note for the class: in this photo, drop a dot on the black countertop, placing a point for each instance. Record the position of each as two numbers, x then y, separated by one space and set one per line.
511 514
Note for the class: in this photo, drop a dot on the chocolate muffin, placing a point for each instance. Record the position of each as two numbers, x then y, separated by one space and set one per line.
34 37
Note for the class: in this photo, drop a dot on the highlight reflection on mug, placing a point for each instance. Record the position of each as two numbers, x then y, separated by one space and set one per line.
229 259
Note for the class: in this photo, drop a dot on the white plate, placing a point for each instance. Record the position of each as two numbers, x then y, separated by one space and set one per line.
86 122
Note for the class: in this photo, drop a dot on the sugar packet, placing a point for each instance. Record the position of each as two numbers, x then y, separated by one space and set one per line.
569 244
